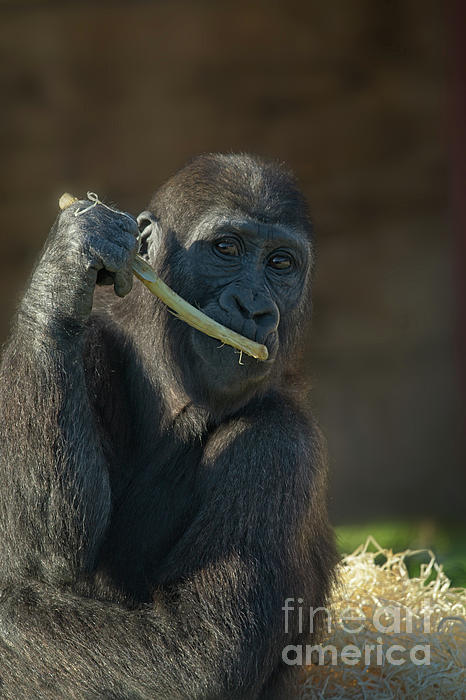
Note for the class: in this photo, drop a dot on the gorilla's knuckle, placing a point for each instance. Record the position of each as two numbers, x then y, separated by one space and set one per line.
122 258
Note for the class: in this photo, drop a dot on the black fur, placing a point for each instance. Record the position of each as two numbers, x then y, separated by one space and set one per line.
159 500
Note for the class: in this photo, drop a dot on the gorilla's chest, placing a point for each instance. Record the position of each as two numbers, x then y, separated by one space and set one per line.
152 513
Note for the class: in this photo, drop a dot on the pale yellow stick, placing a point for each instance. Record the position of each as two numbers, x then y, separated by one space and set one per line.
182 309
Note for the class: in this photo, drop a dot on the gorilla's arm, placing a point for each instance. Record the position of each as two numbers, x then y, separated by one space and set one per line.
54 489
246 551
54 483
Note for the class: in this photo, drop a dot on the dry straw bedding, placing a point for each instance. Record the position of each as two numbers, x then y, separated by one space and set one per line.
427 605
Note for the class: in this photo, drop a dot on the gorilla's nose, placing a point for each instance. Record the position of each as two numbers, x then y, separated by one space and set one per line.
253 308
254 314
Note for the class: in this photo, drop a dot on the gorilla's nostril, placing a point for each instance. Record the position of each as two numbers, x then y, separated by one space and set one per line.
244 310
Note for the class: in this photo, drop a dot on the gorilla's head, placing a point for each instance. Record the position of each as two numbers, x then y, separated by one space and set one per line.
231 234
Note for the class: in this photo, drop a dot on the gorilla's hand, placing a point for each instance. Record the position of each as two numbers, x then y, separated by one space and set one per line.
96 247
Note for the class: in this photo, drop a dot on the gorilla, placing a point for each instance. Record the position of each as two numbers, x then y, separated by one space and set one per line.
160 496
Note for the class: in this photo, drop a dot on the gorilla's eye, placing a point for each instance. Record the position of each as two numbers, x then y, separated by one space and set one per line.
280 261
227 247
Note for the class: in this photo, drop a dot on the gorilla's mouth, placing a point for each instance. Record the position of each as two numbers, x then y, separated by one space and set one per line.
212 351
261 329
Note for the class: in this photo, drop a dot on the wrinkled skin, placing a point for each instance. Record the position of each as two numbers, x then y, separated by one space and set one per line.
160 496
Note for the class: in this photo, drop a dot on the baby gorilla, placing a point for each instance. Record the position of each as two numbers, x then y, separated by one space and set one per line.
160 499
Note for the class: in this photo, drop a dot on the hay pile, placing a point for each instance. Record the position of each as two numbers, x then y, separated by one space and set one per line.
366 587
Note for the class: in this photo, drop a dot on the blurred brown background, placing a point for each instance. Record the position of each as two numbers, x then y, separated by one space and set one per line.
357 98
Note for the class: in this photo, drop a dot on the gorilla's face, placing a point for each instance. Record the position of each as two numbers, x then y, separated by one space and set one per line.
248 276
232 235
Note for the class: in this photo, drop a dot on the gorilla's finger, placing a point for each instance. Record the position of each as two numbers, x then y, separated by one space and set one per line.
131 226
111 256
123 236
123 282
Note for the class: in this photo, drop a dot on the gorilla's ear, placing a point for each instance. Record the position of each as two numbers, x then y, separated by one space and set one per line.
149 232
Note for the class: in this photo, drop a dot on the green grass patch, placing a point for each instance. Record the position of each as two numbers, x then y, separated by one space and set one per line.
446 540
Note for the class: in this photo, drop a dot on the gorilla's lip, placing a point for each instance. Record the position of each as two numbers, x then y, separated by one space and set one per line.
270 342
